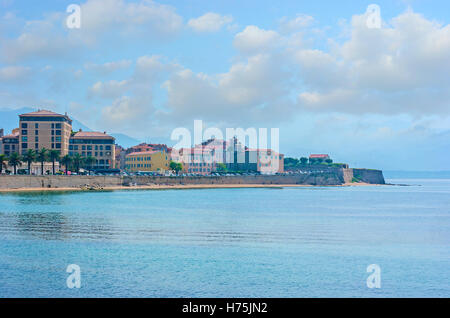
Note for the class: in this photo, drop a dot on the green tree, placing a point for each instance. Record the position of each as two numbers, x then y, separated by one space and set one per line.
66 161
29 158
177 167
42 157
329 161
15 160
89 162
54 155
221 167
303 160
3 159
77 162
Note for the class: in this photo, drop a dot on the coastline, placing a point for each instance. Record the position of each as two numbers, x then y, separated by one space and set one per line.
178 187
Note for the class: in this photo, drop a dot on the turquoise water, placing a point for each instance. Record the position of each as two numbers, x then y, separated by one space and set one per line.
291 242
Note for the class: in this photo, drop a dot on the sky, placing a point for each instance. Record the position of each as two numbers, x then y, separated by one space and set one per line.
376 97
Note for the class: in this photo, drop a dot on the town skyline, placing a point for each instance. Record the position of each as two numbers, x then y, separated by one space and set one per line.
330 84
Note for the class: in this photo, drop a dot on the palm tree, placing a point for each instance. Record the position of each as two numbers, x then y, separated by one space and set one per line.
89 161
66 161
15 160
77 161
29 158
54 155
42 157
3 159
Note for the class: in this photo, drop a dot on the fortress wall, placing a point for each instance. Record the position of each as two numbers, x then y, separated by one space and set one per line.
369 176
15 182
335 177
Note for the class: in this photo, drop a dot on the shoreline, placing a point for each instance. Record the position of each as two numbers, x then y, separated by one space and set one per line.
180 187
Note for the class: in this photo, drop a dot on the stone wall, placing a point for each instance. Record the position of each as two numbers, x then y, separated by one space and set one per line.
369 176
307 179
335 177
15 182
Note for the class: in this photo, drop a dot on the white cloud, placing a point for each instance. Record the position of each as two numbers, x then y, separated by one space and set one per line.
210 22
255 40
108 68
402 68
14 73
300 22
49 39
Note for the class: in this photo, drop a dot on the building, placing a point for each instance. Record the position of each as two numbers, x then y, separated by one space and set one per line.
94 144
10 143
198 160
44 129
120 157
147 161
268 160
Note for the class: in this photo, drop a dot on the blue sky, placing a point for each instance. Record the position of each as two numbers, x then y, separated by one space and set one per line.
372 97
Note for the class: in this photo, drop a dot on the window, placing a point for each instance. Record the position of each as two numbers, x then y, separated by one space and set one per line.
24 125
58 126
107 147
58 146
89 147
36 132
36 146
58 138
24 132
83 147
58 132
24 146
24 138
36 125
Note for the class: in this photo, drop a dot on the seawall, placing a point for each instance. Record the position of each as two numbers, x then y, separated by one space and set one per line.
334 177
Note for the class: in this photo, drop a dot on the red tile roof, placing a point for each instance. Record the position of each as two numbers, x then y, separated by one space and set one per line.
143 153
43 112
319 156
92 134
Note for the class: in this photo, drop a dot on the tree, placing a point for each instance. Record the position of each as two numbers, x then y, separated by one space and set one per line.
15 160
29 158
177 167
221 167
89 162
290 162
3 159
54 155
312 161
42 157
303 160
329 161
77 162
66 161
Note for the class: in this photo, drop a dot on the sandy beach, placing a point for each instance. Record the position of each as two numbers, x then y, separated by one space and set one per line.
179 187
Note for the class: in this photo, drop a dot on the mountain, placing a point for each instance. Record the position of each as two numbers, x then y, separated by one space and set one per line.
125 141
9 119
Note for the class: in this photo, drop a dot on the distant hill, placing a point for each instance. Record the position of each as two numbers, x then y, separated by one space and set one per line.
9 119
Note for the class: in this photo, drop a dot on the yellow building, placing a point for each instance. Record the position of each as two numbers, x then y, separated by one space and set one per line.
156 161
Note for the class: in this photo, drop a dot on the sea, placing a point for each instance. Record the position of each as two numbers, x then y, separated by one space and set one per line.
366 241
